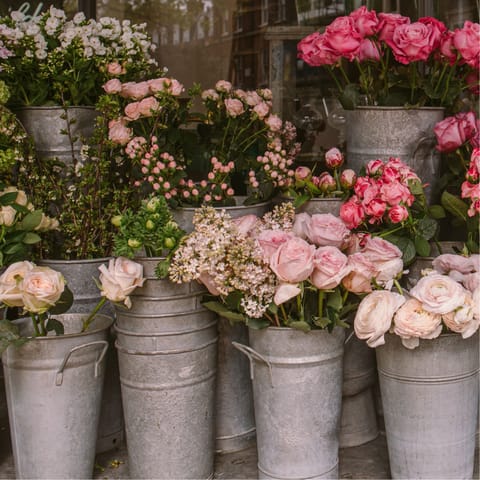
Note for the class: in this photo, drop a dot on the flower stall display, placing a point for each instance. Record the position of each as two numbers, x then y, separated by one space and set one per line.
55 397
426 342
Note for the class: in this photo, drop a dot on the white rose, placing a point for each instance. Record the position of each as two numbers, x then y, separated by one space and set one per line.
7 215
374 316
412 322
11 283
42 288
121 278
438 293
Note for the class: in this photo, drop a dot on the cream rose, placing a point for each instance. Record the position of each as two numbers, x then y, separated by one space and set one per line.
11 283
439 293
121 278
374 316
412 322
42 287
7 215
463 320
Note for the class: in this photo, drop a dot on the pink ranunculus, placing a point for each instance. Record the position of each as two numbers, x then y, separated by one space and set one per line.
352 212
471 281
114 68
348 178
411 43
113 86
234 107
463 320
270 241
132 111
119 133
452 132
314 51
334 158
467 41
135 90
285 292
246 223
292 262
447 262
438 293
436 30
398 214
262 110
412 322
342 37
476 301
274 122
366 21
374 316
395 193
324 229
331 265
362 272
11 283
148 106
368 50
388 22
298 229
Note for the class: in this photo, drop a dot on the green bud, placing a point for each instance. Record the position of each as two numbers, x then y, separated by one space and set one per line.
152 204
169 242
134 243
116 220
149 225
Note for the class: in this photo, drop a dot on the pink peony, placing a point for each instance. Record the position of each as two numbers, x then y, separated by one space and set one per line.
348 178
352 212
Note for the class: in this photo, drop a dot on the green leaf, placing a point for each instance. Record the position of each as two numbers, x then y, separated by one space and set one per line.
31 221
334 300
233 316
161 270
321 322
300 325
454 205
10 335
216 307
54 325
8 198
30 238
257 323
64 302
232 301
436 211
422 246
427 227
14 248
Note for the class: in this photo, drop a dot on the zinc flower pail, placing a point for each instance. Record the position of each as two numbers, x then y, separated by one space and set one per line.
297 391
54 389
167 353
430 399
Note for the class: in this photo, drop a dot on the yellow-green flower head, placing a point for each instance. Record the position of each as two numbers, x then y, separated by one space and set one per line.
116 220
134 243
153 204
4 93
149 225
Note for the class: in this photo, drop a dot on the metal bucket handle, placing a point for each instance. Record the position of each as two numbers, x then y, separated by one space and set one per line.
425 141
59 376
252 354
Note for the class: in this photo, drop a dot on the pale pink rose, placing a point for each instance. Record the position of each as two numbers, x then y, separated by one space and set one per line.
7 215
412 322
253 99
449 261
285 292
11 283
439 293
374 316
246 223
467 41
274 122
223 86
132 111
452 132
386 257
262 110
174 87
114 68
148 106
206 279
315 50
398 214
292 262
330 266
388 22
270 241
298 229
342 37
462 320
352 212
42 287
119 133
362 272
234 107
135 90
348 177
334 158
157 84
368 50
395 193
356 243
113 86
324 229
366 21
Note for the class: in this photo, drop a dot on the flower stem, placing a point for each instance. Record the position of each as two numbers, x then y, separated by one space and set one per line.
90 318
321 296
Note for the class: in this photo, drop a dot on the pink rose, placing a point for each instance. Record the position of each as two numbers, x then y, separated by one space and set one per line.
412 322
449 261
395 193
452 132
223 86
262 110
299 229
324 229
357 242
411 43
274 122
398 214
148 106
366 21
330 266
302 174
352 212
368 50
374 316
386 257
467 41
157 84
246 223
174 87
114 68
375 167
388 22
270 241
209 281
119 133
292 262
342 37
113 86
234 107
134 90
314 50
436 30
285 292
362 272
463 320
132 111
348 178
447 49
334 158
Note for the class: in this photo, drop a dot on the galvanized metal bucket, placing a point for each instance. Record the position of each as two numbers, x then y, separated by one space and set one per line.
430 401
297 391
46 124
54 388
80 275
167 352
383 132
235 418
316 205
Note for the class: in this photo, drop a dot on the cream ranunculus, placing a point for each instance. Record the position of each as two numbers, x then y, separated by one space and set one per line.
412 322
42 287
11 283
374 316
450 261
463 320
439 293
121 278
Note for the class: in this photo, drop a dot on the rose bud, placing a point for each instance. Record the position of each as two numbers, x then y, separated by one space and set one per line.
326 183
334 158
348 178
302 174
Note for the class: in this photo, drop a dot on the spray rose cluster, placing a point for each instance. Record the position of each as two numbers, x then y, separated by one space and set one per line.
471 185
427 64
445 299
283 269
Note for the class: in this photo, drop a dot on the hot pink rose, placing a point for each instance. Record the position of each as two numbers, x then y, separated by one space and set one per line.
148 106
452 132
292 262
395 193
334 158
331 265
362 272
411 43
388 22
366 21
436 30
368 50
134 90
362 184
352 212
113 86
342 37
398 214
270 240
324 229
234 107
314 50
467 41
348 178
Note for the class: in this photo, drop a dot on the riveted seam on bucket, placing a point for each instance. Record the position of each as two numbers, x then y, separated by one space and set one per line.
164 352
433 380
275 475
129 333
168 386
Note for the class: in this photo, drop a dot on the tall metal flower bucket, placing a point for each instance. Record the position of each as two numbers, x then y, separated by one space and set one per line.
383 132
80 275
297 391
167 352
430 401
54 389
